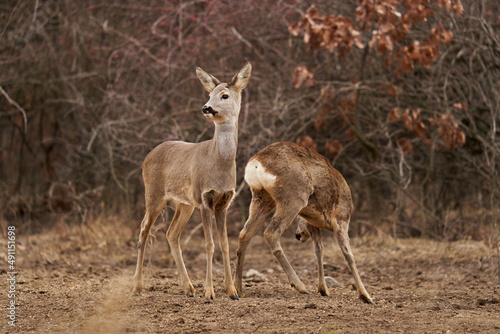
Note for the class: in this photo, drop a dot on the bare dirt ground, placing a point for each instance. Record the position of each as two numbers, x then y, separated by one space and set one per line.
79 279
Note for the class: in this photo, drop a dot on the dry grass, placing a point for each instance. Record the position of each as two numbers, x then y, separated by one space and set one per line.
111 241
104 239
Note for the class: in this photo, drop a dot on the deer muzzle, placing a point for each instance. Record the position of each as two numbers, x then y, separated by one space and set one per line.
207 110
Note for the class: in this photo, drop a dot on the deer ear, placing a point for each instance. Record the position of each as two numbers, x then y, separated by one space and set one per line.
207 80
240 79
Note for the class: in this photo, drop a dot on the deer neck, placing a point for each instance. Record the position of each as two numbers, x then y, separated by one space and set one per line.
225 141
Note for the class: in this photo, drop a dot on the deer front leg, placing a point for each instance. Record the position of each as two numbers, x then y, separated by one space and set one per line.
207 220
259 210
181 216
318 250
281 220
220 221
302 233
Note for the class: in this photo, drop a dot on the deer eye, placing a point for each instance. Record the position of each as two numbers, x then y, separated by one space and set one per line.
225 97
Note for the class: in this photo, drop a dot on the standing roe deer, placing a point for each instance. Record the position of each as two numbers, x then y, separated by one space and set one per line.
201 175
295 180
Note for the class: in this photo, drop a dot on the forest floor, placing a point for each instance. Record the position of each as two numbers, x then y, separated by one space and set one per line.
79 280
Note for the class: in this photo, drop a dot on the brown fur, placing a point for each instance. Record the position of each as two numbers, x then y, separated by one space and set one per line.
306 185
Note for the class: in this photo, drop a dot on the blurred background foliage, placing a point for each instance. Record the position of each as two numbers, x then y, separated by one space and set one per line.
403 96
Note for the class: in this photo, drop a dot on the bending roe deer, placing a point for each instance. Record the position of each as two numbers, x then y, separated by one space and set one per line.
202 176
294 180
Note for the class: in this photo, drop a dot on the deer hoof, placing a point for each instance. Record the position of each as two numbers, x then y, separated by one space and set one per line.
234 297
137 291
323 292
301 290
366 299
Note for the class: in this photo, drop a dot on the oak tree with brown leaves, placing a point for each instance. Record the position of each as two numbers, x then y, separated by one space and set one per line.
380 109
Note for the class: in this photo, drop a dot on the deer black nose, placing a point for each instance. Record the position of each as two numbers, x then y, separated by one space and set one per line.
207 110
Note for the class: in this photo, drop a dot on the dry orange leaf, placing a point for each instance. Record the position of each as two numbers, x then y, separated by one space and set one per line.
334 147
303 74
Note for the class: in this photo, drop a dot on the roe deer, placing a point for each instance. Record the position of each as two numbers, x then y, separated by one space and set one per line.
294 180
201 175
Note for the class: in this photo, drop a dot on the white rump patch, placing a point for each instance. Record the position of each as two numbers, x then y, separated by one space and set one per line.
257 177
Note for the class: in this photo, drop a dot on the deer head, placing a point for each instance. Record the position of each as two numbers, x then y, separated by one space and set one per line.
225 98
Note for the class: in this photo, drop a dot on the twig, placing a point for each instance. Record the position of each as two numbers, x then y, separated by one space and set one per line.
190 235
133 40
246 42
240 188
35 12
21 110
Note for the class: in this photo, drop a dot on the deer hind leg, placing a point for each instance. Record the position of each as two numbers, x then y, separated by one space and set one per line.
343 241
152 212
260 207
318 250
182 214
282 218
